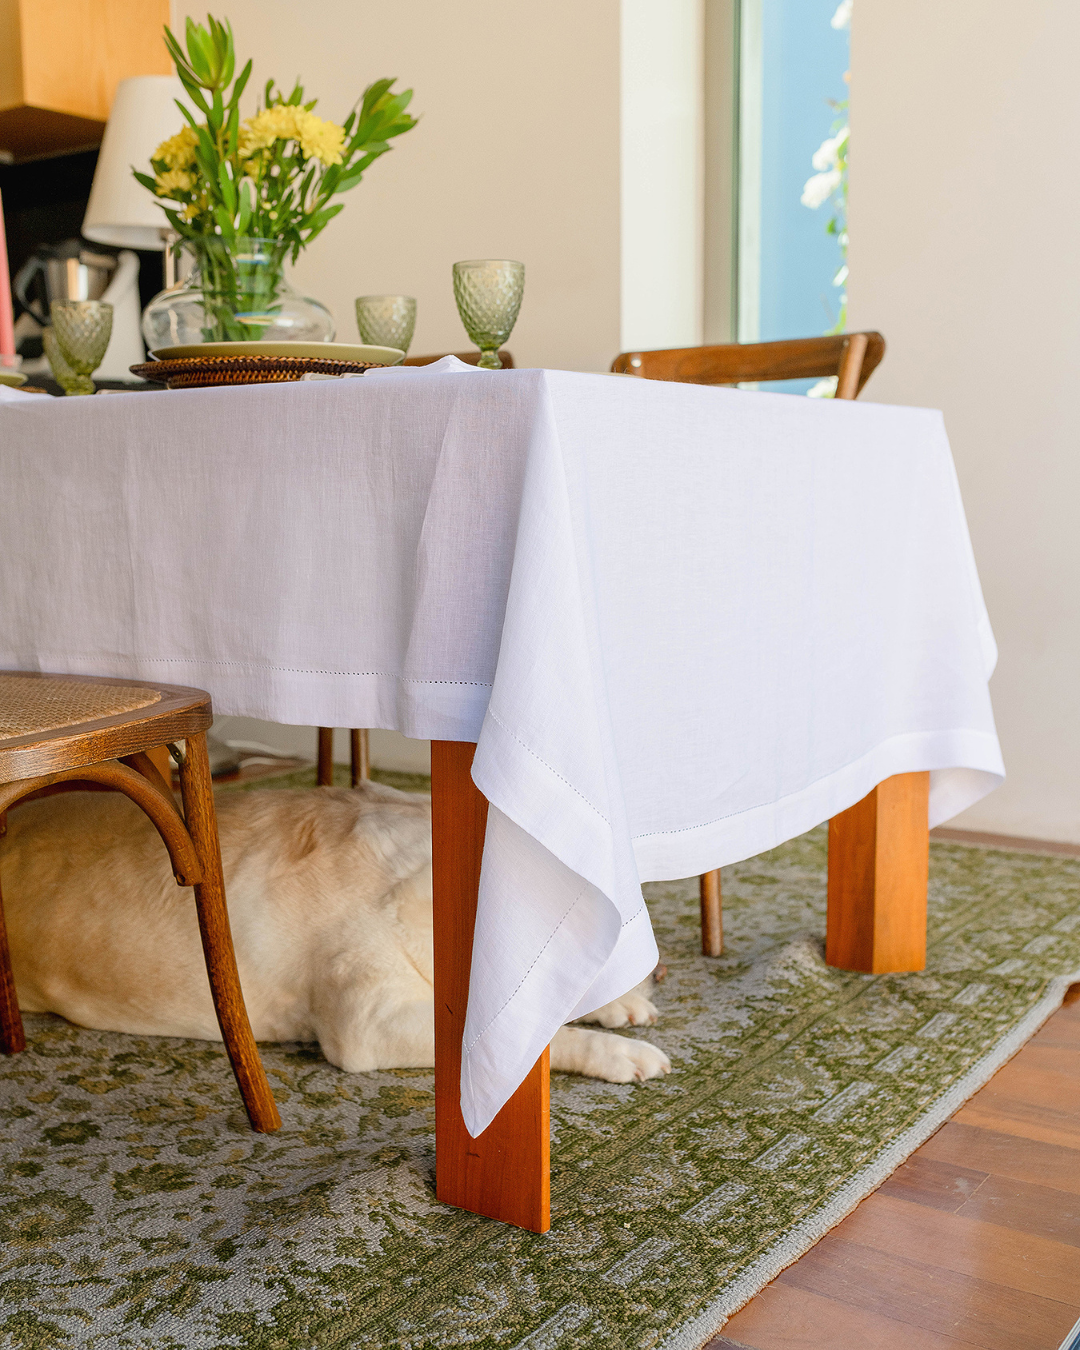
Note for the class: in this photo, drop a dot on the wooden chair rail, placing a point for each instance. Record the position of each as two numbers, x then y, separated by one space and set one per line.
751 362
142 791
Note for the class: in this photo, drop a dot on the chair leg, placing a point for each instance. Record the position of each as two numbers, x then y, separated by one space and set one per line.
12 1035
201 819
325 775
360 756
712 920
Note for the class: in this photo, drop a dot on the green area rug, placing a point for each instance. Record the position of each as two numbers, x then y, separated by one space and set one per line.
137 1210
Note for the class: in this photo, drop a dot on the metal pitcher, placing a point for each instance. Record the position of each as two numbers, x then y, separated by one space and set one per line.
67 271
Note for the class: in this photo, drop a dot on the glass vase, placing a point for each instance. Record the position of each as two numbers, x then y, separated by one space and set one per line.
236 292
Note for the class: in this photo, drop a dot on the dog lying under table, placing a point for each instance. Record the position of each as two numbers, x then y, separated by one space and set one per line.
329 893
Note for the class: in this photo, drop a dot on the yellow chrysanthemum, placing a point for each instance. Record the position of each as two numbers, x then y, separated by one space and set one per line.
286 122
173 182
321 140
272 124
178 152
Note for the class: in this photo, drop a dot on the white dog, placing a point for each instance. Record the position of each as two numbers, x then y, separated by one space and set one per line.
329 893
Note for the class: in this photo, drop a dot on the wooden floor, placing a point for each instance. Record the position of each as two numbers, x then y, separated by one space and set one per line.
974 1241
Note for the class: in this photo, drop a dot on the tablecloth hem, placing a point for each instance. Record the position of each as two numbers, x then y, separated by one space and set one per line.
964 765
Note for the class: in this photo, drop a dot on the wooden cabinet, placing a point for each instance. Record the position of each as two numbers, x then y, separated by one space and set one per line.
60 63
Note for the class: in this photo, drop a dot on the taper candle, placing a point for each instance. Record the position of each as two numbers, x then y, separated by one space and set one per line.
7 315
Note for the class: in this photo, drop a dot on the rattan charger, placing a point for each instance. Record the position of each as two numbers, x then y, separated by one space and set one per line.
204 372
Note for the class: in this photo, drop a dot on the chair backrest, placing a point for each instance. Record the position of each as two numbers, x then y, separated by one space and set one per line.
470 359
851 357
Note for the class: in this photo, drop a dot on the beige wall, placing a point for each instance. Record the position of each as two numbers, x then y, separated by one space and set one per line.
517 156
965 253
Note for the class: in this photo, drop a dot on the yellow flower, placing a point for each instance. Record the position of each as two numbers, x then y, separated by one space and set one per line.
172 182
286 122
321 140
178 151
272 124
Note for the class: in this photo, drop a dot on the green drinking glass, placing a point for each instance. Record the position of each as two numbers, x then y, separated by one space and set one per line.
82 329
488 293
386 320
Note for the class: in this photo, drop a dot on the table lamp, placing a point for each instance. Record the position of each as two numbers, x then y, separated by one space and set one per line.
121 211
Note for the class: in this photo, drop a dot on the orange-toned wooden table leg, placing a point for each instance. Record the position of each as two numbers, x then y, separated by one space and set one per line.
879 853
505 1172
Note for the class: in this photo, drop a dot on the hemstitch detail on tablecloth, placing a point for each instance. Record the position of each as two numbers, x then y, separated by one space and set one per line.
529 750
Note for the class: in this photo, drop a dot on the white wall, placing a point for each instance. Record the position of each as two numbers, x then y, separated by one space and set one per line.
662 111
965 253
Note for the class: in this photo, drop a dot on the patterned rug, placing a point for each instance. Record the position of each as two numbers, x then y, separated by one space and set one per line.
137 1210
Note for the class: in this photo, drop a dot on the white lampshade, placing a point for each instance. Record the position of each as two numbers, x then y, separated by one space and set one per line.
121 211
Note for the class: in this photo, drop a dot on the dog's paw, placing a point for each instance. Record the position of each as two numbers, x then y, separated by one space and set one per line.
630 1010
616 1059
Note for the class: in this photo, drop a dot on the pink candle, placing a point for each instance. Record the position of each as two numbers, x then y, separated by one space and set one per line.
7 316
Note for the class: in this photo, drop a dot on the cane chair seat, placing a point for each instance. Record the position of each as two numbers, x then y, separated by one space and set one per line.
31 704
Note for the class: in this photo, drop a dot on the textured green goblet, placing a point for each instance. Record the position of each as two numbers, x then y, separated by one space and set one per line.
69 380
386 320
82 329
488 294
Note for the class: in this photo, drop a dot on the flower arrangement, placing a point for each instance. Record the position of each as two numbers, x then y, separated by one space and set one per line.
271 175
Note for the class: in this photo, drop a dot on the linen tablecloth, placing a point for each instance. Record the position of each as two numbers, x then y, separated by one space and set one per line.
683 624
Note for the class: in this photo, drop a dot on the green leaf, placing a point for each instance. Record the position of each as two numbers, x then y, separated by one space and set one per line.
228 188
225 221
196 97
145 180
241 84
245 207
187 115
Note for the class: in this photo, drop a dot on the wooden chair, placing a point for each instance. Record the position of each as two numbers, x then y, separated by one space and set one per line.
360 751
61 729
851 357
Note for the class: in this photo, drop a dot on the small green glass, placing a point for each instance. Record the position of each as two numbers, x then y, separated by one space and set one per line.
81 330
386 320
488 292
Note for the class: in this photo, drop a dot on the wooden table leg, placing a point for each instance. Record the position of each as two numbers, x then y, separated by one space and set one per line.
879 853
504 1173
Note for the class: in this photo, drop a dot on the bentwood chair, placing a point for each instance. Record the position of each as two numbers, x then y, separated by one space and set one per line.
360 752
850 357
63 729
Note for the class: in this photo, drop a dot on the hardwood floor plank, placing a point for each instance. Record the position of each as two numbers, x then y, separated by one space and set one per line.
940 1185
1061 1062
1023 1119
784 1317
996 1152
1044 1073
986 1314
1039 1210
966 1245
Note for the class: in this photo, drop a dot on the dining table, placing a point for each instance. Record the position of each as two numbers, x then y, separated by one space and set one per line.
650 629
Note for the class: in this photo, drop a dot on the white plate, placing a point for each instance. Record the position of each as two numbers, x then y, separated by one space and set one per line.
327 351
12 378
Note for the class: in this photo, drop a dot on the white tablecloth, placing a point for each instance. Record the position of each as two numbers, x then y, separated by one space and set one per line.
683 624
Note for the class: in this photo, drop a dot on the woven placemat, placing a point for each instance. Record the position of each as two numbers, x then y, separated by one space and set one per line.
203 372
29 704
